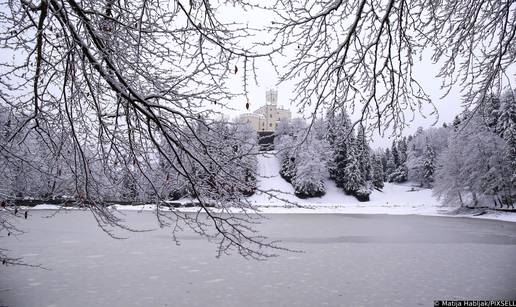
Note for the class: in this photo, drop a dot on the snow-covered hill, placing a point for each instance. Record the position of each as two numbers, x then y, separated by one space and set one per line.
393 195
394 199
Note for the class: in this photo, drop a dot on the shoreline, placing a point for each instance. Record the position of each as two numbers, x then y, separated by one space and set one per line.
489 214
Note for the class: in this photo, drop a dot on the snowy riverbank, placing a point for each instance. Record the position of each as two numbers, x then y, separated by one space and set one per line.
279 197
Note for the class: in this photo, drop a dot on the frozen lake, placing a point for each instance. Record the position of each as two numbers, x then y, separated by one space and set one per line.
349 260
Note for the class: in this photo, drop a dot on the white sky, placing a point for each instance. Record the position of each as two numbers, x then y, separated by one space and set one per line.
267 77
425 72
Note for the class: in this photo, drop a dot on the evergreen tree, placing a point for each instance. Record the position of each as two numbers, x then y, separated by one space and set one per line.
390 167
303 157
395 154
288 137
338 164
437 138
428 166
399 175
129 188
364 154
402 150
377 172
353 176
338 137
385 157
491 111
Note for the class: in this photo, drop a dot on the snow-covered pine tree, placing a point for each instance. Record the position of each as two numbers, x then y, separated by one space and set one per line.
354 183
377 172
402 150
246 152
129 186
437 138
428 166
491 111
385 156
395 154
303 156
390 167
352 174
286 142
338 137
399 172
338 163
399 175
364 153
282 141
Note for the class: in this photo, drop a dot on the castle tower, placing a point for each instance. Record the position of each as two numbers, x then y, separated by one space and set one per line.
267 117
271 97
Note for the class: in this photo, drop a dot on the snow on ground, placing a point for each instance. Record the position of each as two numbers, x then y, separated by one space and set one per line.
393 198
275 195
399 199
393 195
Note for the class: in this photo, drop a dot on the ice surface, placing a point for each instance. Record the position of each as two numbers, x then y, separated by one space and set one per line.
349 260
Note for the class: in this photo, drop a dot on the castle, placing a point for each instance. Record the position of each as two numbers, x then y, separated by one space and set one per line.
266 118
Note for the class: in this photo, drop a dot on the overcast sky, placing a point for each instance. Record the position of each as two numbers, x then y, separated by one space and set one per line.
448 107
425 72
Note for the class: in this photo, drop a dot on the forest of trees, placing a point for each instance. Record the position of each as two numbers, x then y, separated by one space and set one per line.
37 173
330 148
470 162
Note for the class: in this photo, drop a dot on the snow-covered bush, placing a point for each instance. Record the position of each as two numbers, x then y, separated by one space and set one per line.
310 169
306 187
362 194
399 174
288 136
302 157
288 168
284 142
